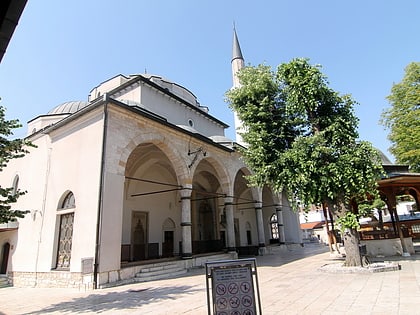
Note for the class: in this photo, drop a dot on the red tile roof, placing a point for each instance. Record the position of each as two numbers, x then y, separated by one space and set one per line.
311 225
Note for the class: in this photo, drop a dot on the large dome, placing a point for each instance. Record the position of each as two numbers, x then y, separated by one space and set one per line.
68 108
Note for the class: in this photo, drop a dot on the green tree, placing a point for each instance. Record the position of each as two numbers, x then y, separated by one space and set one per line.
403 118
301 138
10 149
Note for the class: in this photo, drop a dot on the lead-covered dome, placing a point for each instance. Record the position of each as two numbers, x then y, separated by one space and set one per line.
68 108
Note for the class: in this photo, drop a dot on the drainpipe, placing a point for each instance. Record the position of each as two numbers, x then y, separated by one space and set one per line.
42 211
100 199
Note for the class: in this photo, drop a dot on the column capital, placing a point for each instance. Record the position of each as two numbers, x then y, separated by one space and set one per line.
229 200
258 204
186 191
278 207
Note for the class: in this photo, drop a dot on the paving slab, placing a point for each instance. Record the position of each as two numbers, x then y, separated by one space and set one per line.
290 282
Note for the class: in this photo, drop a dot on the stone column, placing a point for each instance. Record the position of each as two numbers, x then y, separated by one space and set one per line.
230 224
260 224
280 225
186 222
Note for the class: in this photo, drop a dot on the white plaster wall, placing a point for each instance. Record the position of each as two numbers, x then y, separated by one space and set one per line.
69 163
42 122
107 86
246 213
175 112
75 166
311 216
292 231
132 94
245 216
111 223
31 171
158 206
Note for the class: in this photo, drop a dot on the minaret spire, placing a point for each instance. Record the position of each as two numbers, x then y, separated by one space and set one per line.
237 58
237 64
236 48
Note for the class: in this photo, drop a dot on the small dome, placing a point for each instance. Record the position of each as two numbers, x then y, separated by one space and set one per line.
68 108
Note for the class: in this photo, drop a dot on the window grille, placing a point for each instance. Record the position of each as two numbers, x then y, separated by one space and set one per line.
65 240
415 228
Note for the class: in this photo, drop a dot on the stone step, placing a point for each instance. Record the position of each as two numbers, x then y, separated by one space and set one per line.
160 271
159 267
3 281
146 277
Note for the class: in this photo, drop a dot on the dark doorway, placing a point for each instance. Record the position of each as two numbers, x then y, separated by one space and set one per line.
168 244
139 235
4 258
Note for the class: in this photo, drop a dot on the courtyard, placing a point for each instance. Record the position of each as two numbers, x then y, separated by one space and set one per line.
290 282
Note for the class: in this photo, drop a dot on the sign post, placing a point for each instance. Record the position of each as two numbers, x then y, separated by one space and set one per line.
232 287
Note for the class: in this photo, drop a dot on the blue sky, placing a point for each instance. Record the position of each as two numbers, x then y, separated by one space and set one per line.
62 49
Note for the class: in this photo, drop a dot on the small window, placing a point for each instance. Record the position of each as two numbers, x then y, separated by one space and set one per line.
190 123
274 227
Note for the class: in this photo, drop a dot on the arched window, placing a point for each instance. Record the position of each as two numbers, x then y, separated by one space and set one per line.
65 235
68 201
15 185
274 228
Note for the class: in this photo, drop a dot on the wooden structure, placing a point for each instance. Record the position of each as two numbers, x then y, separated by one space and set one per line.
397 184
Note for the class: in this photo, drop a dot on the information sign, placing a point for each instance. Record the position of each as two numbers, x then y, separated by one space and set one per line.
234 287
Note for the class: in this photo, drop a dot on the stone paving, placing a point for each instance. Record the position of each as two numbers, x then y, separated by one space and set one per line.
290 282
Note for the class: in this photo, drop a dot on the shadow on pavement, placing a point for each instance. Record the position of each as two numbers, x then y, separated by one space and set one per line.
130 299
287 255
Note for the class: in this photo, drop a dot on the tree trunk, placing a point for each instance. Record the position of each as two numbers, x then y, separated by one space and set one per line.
337 248
324 209
351 244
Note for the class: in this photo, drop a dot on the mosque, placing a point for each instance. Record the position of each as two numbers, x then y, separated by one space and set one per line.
139 177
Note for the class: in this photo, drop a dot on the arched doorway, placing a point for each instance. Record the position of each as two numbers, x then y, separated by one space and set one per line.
206 208
4 258
150 198
168 238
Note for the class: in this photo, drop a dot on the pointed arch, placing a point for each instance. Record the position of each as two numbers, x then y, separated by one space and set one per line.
164 144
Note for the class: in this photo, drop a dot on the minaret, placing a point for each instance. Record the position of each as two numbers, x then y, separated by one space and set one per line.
237 64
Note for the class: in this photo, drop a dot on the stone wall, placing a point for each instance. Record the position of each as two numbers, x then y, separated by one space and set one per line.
53 279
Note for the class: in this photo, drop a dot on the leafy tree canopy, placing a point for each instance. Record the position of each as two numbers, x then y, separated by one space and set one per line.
10 149
302 136
302 139
403 118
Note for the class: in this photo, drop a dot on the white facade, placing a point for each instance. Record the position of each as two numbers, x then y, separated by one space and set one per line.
139 172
